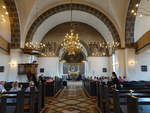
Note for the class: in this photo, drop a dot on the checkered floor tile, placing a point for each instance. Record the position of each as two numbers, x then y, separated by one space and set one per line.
71 100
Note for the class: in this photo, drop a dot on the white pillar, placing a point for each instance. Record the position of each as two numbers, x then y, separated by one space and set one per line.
120 62
130 63
110 65
15 59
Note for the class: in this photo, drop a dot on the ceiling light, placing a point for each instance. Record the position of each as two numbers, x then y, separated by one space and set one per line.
2 16
4 7
6 13
137 5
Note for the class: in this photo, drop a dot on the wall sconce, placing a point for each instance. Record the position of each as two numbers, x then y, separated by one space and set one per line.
84 61
13 63
62 61
131 62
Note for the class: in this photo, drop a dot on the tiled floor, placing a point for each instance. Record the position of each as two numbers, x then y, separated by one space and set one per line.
71 100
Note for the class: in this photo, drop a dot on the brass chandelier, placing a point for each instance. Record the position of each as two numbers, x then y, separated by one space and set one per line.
71 43
34 46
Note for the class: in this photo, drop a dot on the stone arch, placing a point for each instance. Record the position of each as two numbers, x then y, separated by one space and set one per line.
65 7
130 22
14 23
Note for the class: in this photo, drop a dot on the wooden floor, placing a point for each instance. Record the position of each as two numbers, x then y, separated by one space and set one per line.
71 100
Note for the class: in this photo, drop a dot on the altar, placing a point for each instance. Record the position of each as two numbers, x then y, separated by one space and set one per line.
73 75
73 70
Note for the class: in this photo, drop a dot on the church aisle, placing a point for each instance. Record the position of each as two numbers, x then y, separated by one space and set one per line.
71 100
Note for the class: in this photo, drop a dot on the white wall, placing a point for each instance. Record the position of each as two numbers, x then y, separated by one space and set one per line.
50 65
16 57
142 59
95 65
4 61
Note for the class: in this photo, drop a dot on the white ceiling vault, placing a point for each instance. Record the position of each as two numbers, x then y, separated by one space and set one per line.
78 16
115 10
142 24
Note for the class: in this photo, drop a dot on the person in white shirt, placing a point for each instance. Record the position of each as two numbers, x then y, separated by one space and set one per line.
15 87
2 88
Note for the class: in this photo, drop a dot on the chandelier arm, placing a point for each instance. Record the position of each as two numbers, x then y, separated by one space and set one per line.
71 13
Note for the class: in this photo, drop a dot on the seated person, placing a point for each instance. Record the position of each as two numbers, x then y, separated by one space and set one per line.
31 85
115 82
2 88
121 80
15 87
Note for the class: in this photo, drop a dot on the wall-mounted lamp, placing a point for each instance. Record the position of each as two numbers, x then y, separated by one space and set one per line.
131 62
13 63
84 61
62 61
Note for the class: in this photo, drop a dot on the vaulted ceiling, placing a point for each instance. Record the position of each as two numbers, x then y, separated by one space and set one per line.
108 17
115 10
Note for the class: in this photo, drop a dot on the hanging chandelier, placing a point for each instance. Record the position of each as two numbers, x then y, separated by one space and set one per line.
141 9
34 46
71 43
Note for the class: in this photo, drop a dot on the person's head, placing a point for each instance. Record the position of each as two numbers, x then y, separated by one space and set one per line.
120 77
2 83
114 75
15 84
124 77
31 84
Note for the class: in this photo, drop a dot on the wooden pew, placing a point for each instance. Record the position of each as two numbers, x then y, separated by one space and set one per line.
52 88
120 98
33 98
90 87
109 99
2 104
138 103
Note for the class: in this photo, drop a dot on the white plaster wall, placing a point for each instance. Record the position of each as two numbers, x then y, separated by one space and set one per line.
142 59
17 57
95 65
50 65
4 61
133 70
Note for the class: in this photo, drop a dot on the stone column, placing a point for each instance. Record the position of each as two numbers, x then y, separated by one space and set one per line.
130 63
119 63
15 59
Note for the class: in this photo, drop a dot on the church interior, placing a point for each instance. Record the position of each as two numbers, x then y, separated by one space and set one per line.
74 56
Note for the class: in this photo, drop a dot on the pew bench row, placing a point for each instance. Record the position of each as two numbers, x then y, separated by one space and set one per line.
123 101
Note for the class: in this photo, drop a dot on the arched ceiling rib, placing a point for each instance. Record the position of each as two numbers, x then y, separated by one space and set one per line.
78 16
